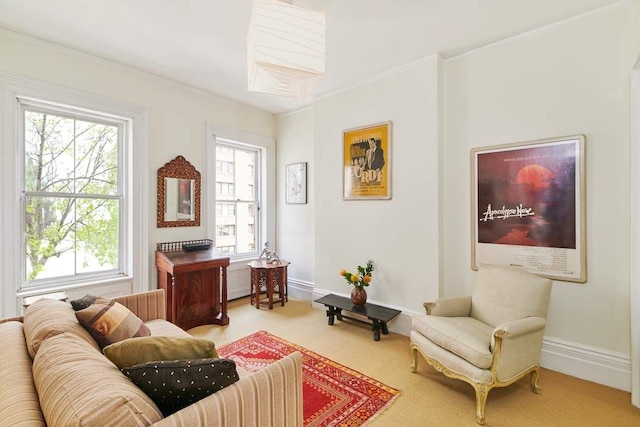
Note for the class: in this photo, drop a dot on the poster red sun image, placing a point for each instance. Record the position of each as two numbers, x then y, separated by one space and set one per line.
529 196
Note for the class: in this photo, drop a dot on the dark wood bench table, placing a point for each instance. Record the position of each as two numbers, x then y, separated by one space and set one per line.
378 314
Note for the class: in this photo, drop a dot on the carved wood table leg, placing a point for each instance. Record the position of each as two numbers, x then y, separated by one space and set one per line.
224 318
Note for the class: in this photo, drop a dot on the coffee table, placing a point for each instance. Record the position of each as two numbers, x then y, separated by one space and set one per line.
377 314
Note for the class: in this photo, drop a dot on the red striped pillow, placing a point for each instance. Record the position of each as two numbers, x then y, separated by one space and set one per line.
109 322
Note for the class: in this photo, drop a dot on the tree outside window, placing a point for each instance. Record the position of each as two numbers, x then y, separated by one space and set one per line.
72 196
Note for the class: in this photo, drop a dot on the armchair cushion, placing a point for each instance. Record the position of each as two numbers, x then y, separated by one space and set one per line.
464 336
502 294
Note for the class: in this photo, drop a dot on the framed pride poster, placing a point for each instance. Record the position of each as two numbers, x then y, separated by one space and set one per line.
366 158
528 207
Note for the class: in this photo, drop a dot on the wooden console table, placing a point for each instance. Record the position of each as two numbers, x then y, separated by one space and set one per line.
195 283
378 314
270 277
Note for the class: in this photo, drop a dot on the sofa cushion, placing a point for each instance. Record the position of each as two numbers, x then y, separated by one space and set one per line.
134 351
175 384
160 327
46 318
78 386
109 321
18 397
464 336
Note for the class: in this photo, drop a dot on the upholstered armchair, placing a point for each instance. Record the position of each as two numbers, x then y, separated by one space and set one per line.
489 339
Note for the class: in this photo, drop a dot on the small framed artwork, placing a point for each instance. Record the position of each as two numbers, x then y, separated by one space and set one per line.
367 162
296 184
528 207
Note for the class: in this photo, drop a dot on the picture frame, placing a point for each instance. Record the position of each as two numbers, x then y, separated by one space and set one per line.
529 207
296 183
366 160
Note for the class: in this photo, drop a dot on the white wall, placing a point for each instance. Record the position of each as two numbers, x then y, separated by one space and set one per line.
571 78
177 114
568 78
401 234
295 223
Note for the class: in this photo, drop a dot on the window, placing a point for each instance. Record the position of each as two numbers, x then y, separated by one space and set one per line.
234 211
226 230
72 194
224 190
253 213
68 185
225 209
224 167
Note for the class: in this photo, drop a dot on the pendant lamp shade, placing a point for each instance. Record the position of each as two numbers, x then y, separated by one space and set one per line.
285 49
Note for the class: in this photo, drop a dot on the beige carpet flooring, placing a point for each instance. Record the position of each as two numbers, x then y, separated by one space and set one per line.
428 398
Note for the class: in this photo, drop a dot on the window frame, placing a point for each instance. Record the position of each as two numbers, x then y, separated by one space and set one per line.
122 125
136 264
233 198
266 180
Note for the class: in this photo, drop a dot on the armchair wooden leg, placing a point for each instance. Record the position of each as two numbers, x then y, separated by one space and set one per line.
534 380
414 362
482 392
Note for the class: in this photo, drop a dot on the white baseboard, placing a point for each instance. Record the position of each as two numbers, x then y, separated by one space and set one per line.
588 363
300 289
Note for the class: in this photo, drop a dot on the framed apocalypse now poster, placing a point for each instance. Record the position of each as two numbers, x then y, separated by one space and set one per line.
367 162
528 204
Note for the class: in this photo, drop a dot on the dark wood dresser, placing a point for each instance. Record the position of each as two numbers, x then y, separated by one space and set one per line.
195 283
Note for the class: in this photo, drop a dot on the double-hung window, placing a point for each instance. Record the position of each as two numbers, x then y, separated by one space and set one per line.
241 183
73 194
236 198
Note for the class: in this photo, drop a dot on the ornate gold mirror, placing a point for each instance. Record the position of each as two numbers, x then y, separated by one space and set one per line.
178 194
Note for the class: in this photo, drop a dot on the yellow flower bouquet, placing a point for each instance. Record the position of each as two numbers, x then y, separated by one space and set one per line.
360 279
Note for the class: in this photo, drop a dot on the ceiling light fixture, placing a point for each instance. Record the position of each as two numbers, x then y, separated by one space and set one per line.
285 48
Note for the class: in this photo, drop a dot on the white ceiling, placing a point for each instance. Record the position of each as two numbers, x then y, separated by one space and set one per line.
202 43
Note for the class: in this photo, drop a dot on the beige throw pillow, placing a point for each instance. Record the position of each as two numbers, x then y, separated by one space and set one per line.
135 351
109 322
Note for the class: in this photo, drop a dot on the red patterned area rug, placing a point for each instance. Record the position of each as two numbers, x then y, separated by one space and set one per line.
332 394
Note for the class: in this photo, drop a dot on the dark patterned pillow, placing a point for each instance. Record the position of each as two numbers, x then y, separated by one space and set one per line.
176 384
109 321
83 302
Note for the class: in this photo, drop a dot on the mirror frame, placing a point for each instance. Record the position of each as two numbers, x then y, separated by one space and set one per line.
178 168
